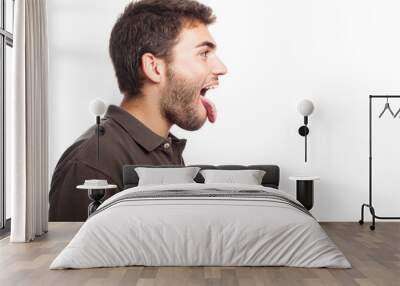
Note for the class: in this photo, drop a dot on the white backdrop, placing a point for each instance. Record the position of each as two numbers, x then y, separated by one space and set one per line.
335 53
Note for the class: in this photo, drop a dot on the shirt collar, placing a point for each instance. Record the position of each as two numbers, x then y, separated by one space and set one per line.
140 132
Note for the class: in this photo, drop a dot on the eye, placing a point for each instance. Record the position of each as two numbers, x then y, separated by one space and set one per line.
204 54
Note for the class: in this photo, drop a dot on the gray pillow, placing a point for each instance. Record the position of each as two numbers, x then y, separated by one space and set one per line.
162 176
249 177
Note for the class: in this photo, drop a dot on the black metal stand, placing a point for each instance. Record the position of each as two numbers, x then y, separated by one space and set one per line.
369 205
303 131
96 196
100 131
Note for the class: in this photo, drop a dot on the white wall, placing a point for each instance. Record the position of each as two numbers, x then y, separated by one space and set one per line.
335 53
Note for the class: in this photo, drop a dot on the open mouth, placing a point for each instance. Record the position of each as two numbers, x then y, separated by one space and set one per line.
208 104
204 90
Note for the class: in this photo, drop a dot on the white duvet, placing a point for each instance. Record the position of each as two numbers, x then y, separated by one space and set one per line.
182 231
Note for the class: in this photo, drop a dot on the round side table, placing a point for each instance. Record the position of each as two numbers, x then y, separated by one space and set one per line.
305 190
96 195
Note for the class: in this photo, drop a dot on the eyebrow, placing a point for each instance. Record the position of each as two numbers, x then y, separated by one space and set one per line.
208 44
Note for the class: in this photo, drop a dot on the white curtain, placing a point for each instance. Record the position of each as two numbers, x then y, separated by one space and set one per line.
28 157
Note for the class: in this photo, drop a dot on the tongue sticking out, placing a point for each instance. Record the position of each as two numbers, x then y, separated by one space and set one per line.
211 110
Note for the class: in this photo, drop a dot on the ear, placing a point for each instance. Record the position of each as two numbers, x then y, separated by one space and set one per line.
152 67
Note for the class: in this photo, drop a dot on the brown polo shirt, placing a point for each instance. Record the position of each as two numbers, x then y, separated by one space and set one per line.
126 141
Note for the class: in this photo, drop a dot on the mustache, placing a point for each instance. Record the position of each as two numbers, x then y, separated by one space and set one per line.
212 81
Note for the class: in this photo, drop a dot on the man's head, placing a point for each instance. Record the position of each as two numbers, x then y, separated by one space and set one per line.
165 45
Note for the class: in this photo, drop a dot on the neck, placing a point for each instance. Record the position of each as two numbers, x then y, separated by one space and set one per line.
146 109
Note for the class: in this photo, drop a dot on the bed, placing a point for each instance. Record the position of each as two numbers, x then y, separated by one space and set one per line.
201 224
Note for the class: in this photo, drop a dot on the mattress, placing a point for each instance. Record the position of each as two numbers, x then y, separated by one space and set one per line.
201 225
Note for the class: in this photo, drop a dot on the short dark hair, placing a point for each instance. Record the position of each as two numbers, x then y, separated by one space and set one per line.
150 26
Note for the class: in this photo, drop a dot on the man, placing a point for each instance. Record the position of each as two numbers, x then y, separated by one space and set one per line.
165 61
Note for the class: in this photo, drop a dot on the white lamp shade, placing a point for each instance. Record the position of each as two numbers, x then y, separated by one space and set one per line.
97 107
305 107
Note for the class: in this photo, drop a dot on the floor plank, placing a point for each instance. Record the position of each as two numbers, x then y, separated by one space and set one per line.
374 255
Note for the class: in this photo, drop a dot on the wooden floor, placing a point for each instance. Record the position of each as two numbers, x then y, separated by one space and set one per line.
374 255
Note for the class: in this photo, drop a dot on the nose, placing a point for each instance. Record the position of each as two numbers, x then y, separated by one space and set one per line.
219 67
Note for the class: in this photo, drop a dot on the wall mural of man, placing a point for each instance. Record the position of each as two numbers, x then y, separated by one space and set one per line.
165 61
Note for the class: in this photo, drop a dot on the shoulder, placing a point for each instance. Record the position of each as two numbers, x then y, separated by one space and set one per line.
83 152
85 148
112 146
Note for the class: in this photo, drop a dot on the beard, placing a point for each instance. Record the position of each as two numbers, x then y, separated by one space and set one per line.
179 102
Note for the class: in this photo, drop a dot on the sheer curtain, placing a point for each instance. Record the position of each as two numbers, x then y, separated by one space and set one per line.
28 151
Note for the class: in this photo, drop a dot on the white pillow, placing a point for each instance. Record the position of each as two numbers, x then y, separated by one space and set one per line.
162 176
248 177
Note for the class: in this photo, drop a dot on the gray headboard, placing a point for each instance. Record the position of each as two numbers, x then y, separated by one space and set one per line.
270 179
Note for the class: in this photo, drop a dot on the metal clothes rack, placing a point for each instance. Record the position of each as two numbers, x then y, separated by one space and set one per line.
369 205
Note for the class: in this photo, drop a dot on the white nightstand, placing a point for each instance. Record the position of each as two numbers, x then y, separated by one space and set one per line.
305 189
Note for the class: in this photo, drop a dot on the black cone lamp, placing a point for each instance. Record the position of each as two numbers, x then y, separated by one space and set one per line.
305 108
